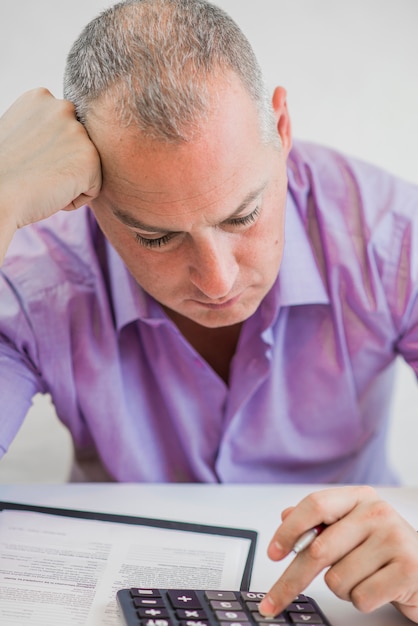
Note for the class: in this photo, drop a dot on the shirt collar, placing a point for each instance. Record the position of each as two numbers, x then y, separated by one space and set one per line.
130 301
299 280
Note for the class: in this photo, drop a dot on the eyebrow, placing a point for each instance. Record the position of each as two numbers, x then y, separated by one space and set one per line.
131 221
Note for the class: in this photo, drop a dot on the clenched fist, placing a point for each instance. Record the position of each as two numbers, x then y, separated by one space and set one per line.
47 162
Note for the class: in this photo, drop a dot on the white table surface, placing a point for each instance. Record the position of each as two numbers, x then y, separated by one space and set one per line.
248 506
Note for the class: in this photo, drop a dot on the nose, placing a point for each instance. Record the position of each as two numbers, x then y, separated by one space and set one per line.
213 267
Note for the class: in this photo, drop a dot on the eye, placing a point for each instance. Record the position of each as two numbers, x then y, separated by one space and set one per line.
152 243
246 220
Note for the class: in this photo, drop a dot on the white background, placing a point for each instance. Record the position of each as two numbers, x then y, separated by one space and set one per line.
350 69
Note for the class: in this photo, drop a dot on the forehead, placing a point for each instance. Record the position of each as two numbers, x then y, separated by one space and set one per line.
225 160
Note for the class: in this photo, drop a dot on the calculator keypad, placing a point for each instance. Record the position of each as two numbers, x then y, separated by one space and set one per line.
185 607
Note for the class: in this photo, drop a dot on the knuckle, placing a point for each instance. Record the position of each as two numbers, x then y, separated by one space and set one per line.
39 92
318 551
409 570
334 582
407 564
67 108
396 537
362 600
90 158
315 502
381 511
367 492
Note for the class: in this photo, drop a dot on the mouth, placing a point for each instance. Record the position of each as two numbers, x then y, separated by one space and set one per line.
219 306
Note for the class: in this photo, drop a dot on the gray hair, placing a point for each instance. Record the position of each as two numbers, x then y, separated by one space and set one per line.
155 59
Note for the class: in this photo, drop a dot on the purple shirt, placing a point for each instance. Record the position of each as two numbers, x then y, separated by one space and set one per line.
310 383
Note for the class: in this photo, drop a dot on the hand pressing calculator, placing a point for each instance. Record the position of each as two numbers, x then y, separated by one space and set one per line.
185 607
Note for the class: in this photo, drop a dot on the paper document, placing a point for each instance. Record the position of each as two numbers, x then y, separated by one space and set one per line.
61 570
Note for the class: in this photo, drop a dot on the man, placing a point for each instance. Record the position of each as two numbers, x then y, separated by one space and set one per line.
180 337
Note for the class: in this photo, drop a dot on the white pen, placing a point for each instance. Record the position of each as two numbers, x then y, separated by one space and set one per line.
306 539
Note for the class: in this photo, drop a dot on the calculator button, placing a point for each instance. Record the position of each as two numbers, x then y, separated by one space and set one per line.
191 614
221 595
146 593
231 616
241 623
184 599
226 605
276 619
252 606
152 612
305 618
148 602
301 607
301 598
252 595
157 622
192 622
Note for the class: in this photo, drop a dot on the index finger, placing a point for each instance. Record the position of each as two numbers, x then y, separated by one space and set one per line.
297 576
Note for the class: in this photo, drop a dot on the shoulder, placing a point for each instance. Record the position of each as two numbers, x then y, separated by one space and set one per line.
346 193
362 226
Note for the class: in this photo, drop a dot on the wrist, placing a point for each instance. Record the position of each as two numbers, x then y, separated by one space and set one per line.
7 230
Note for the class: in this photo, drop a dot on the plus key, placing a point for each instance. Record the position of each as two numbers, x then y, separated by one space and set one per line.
183 600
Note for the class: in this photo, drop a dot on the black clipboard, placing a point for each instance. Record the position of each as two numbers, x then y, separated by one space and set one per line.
224 531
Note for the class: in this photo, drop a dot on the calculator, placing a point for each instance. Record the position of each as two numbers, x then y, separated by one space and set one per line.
187 607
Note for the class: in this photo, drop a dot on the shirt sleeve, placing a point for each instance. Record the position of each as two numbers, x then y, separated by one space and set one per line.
20 378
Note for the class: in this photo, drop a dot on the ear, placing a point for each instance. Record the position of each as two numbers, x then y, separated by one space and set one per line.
284 126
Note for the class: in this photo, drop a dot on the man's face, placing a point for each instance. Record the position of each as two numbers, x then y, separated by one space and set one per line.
199 225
